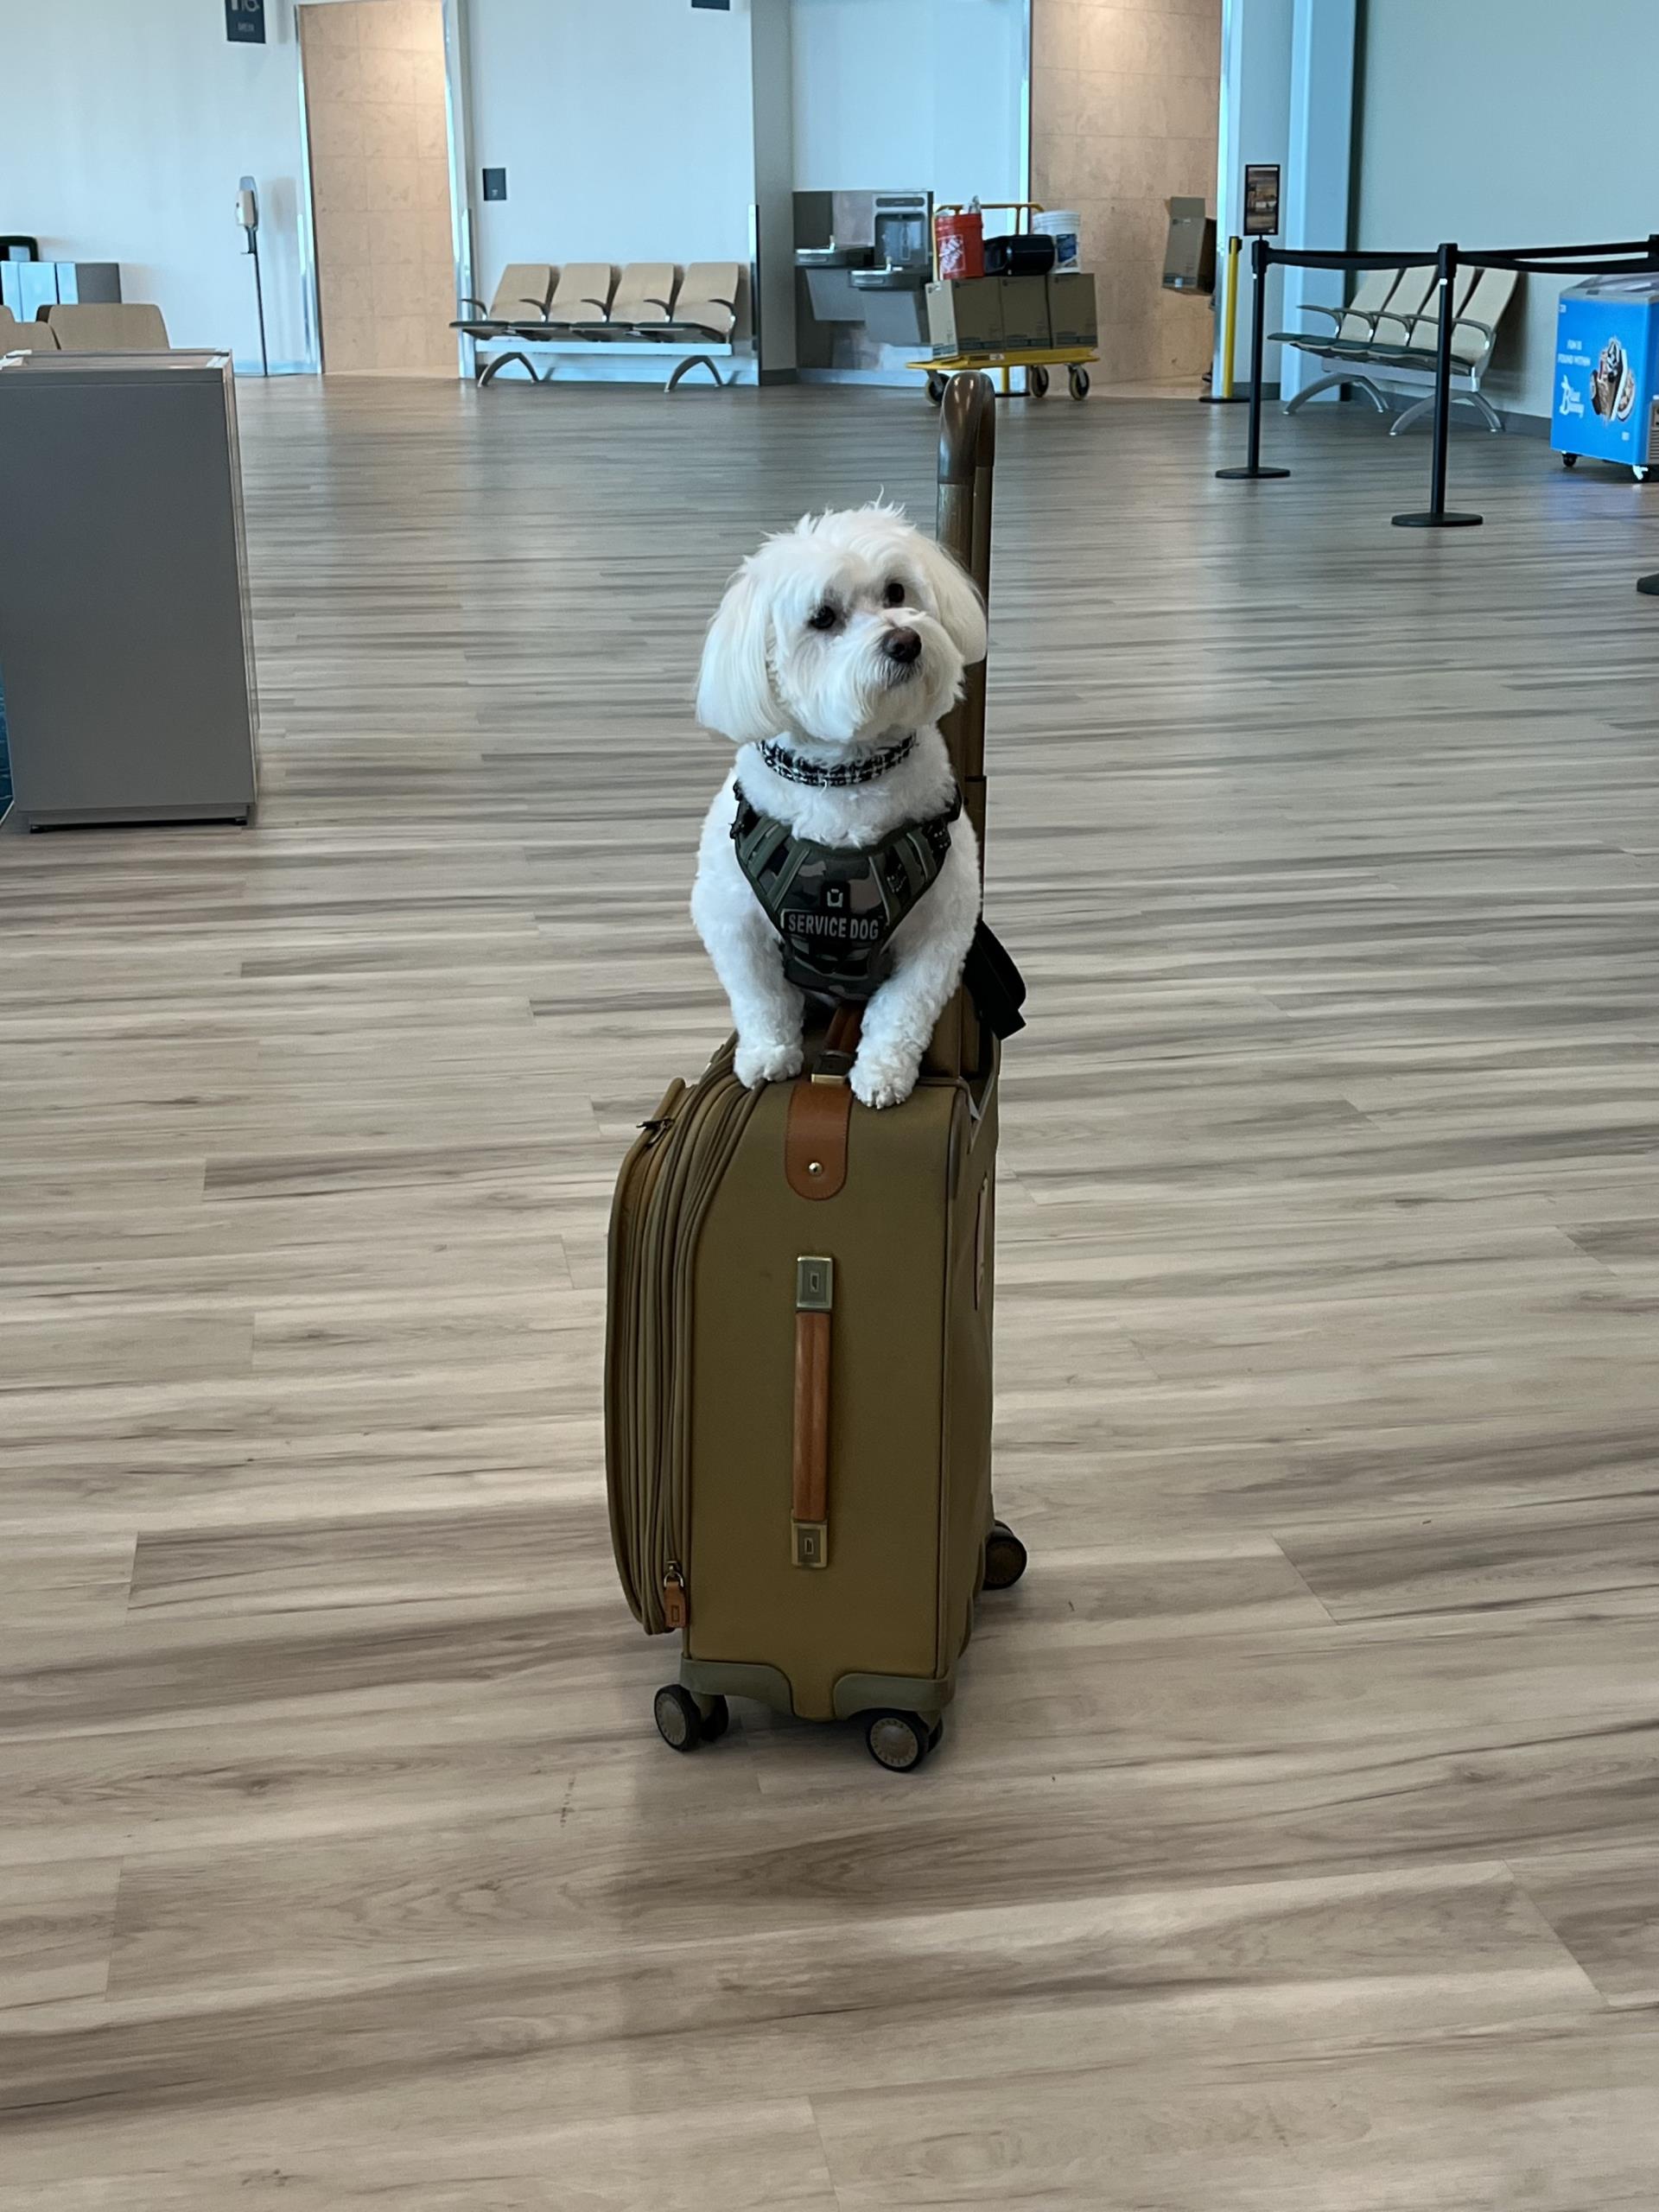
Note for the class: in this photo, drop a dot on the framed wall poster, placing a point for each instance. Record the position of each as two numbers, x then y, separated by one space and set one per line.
1261 199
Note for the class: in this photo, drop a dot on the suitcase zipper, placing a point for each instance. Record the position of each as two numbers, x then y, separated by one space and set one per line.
663 1193
663 1118
677 1610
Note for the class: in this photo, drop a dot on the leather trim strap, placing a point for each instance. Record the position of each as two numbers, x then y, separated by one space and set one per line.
821 1112
815 1137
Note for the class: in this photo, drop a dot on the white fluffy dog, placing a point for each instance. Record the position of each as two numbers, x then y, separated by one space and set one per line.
835 644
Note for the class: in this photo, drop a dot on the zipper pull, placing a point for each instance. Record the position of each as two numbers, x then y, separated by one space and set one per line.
676 1609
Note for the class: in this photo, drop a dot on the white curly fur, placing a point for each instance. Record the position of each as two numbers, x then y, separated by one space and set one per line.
832 695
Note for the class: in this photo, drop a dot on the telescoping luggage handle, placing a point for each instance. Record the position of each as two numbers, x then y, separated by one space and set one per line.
820 1109
967 460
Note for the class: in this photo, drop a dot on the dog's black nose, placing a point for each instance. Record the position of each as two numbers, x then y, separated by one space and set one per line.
902 646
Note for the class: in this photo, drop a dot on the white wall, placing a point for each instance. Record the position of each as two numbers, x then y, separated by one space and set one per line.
1319 182
1256 58
1509 123
124 130
896 94
625 127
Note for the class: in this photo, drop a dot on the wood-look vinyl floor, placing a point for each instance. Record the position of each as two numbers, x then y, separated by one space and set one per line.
1294 1846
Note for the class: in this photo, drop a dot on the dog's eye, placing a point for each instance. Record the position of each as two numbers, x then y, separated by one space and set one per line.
823 618
895 593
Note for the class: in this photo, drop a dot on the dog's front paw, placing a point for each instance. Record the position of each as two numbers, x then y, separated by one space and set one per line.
885 1078
766 1061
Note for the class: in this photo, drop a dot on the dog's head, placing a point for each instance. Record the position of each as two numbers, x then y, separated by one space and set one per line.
845 629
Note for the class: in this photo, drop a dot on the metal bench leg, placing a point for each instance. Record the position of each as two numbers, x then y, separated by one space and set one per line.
1408 416
1326 383
696 361
1488 413
498 362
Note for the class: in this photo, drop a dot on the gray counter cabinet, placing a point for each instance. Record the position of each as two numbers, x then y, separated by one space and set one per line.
125 644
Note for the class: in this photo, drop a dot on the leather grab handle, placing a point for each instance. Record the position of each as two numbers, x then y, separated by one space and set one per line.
810 1496
809 1502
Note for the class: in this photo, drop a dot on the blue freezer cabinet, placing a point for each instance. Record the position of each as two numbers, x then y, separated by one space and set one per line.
1607 373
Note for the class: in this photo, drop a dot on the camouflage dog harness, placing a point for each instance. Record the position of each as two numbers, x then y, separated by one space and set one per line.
836 907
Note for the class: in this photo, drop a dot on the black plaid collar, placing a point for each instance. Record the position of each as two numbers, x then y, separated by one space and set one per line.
790 766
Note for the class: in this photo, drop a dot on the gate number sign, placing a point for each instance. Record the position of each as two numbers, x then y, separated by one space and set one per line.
1261 199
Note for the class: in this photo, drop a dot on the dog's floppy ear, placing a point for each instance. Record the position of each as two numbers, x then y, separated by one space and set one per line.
734 689
961 608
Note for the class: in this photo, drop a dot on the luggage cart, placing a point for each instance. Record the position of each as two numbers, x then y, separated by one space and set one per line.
997 361
1035 360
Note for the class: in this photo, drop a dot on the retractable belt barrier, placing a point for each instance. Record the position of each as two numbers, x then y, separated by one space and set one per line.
1615 258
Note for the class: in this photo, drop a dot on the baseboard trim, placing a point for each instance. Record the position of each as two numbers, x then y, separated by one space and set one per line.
888 379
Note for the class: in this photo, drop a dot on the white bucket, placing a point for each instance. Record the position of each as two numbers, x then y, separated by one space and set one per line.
1062 224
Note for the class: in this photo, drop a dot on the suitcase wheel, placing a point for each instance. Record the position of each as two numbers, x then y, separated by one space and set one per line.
1005 1557
901 1741
682 1724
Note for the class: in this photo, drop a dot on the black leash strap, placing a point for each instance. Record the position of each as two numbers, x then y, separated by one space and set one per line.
994 984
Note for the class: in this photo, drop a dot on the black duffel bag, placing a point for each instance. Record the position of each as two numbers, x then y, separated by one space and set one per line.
1019 254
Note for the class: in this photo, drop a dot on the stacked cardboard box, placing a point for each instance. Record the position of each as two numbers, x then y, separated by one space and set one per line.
1071 315
985 314
1025 311
964 314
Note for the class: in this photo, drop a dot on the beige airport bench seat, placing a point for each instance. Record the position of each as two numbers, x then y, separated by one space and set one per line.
115 327
647 307
1479 305
25 337
1363 323
580 303
1355 324
1386 338
704 317
643 300
583 295
524 284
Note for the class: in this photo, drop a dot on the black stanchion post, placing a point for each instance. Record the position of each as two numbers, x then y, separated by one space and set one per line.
1437 515
1260 259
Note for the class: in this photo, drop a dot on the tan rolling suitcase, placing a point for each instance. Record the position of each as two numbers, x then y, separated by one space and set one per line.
799 1362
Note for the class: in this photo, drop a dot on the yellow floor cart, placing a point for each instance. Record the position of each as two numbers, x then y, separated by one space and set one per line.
1038 360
